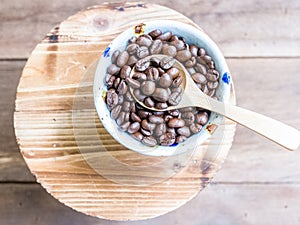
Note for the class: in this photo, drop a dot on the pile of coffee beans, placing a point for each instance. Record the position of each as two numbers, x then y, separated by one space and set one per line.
156 82
158 128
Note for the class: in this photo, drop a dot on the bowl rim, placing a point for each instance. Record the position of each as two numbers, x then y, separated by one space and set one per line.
99 87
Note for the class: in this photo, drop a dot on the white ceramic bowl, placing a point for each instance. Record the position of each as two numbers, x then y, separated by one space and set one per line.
192 35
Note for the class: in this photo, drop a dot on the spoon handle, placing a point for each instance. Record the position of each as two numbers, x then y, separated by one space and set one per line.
274 130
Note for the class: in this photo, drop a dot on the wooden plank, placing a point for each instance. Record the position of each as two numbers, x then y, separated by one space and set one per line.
246 28
224 204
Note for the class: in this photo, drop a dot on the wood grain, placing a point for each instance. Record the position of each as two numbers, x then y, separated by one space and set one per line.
248 28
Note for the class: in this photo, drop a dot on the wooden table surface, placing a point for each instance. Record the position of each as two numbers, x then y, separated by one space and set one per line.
259 182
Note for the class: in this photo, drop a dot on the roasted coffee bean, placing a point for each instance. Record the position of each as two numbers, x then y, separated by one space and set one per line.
177 81
191 70
137 136
176 123
148 87
199 78
127 116
132 107
139 76
211 65
121 99
207 58
138 95
160 129
194 50
149 141
165 36
142 52
125 71
122 88
117 82
132 60
122 58
174 98
174 38
132 40
111 98
195 128
183 55
109 80
173 72
200 59
191 62
201 68
169 50
161 105
156 47
178 44
167 139
154 61
144 41
155 33
126 106
133 83
174 112
143 114
211 77
149 102
132 48
156 119
129 97
165 80
135 117
146 132
113 69
115 112
134 127
166 63
152 73
202 118
124 126
212 85
201 52
160 94
188 117
142 65
148 126
158 113
121 118
115 56
184 131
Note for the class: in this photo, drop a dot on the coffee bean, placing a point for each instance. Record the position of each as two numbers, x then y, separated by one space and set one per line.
167 118
115 112
152 73
200 59
174 99
191 70
156 119
139 76
165 36
137 136
127 116
202 118
166 63
205 89
212 85
143 114
160 129
122 88
178 89
173 72
183 55
125 71
191 62
144 41
132 107
138 95
149 141
207 58
142 65
135 117
149 102
109 79
122 58
177 82
121 118
188 117
134 127
165 81
146 132
161 105
169 50
201 68
211 93
113 69
142 52
115 56
133 83
158 113
129 97
117 82
132 48
160 94
112 98
121 99
174 112
124 126
176 123
194 50
126 106
211 65
201 52
199 78
195 128
155 33
154 61
184 131
174 38
180 139
156 47
148 87
132 60
148 126
178 44
167 139
161 71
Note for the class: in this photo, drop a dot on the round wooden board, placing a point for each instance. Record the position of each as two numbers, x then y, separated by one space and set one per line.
57 127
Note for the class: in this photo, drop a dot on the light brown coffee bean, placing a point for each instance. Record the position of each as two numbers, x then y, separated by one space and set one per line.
156 119
174 99
184 131
149 102
174 38
129 97
212 85
165 81
169 50
191 62
166 63
178 44
156 47
146 132
142 52
124 126
132 48
122 88
121 99
152 73
133 83
174 112
165 36
160 94
143 114
161 105
201 52
142 65
155 33
178 89
211 65
167 139
199 78
160 129
125 71
188 117
139 76
202 118
183 55
132 60
195 128
113 69
137 136
148 126
115 112
201 68
115 56
177 81
173 72
200 59
122 58
112 98
148 87
135 117
144 41
207 58
126 106
133 128
149 141
121 118
176 123
194 50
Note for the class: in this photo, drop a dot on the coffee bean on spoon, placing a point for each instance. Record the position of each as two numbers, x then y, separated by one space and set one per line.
142 65
167 62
